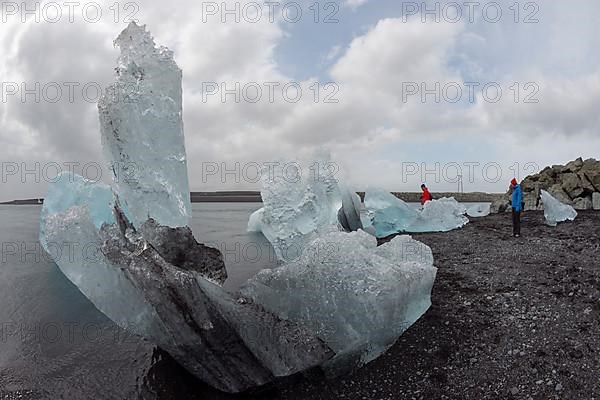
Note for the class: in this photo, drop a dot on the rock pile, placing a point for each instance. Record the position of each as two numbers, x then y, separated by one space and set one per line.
576 184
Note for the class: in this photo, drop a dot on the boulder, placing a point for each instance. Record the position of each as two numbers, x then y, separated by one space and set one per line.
591 170
583 203
559 194
499 206
571 184
530 184
590 164
575 184
593 177
596 201
556 170
574 166
586 185
531 201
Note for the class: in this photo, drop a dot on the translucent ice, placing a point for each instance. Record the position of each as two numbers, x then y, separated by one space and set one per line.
479 210
357 297
132 255
165 295
555 211
255 221
441 215
392 215
74 211
142 131
298 202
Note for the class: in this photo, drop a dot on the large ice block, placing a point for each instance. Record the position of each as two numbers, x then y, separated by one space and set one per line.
142 131
391 215
357 297
131 253
150 285
298 202
441 215
555 211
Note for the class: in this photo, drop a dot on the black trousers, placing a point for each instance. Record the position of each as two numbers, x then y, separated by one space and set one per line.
516 216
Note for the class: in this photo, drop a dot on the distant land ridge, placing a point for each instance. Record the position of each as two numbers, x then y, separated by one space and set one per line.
240 196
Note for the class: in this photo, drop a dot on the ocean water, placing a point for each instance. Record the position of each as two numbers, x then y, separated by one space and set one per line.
54 344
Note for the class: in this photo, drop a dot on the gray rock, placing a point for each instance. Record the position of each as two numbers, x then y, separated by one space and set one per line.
596 201
499 206
559 194
572 185
574 166
179 248
530 184
593 176
577 180
583 203
349 214
531 201
558 387
591 170
586 185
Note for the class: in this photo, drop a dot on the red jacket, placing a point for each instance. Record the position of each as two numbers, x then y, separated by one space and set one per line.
426 196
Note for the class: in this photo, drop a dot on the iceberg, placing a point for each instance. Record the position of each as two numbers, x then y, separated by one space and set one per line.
135 258
296 205
357 297
441 215
338 301
555 211
391 215
142 128
479 210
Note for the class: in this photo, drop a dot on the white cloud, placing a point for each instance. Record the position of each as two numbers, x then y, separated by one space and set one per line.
354 4
369 119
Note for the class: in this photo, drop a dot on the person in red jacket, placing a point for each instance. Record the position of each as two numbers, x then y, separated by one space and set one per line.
426 196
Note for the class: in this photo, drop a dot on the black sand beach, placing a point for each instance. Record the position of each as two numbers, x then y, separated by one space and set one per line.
511 319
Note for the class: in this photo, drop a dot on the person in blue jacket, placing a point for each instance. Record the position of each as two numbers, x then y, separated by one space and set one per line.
517 207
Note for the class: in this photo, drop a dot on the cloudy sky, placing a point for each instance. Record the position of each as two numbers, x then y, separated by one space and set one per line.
398 94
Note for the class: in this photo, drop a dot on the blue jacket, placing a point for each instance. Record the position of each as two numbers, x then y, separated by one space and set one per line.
517 198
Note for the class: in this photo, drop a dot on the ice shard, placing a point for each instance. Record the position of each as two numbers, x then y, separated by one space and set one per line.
298 202
142 131
73 213
391 215
357 297
555 211
255 221
479 210
136 259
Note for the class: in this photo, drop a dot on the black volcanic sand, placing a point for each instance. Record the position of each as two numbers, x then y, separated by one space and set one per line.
511 319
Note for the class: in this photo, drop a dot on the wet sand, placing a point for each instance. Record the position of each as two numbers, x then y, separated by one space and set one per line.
511 319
